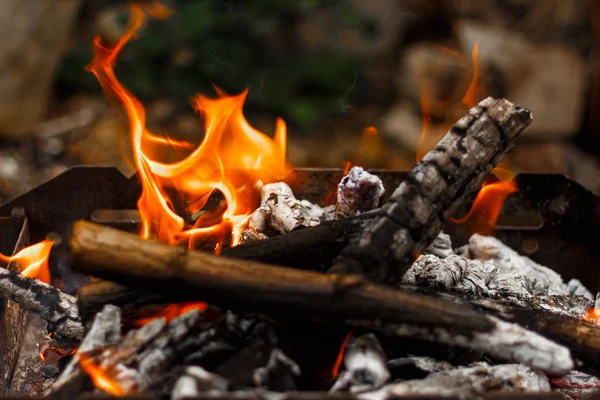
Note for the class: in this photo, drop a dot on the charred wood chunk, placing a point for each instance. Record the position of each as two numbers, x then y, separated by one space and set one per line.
365 366
282 212
434 189
196 381
473 381
358 191
58 309
105 330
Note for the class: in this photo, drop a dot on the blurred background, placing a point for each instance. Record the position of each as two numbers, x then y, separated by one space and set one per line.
372 82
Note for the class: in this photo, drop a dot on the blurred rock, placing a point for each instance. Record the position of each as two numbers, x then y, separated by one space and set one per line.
34 34
547 79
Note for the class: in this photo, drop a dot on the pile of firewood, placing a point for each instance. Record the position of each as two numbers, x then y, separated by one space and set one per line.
366 297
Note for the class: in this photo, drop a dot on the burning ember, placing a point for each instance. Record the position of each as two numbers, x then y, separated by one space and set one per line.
33 260
232 158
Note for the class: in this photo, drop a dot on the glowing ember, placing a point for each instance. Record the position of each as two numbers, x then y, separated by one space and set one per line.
335 371
229 145
171 311
484 213
592 316
99 376
33 260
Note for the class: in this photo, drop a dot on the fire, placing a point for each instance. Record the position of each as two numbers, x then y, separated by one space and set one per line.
335 371
99 376
231 159
484 213
171 311
33 260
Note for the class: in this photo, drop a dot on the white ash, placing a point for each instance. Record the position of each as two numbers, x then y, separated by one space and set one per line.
423 363
196 381
537 279
489 268
365 365
473 381
281 211
441 246
358 191
507 341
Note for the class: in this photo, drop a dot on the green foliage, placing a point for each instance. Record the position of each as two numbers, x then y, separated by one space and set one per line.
235 45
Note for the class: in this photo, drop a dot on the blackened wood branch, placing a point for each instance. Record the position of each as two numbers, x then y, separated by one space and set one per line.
58 309
434 189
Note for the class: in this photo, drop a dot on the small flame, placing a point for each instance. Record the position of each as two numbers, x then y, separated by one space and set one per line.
99 377
335 371
469 99
171 311
230 144
483 215
33 260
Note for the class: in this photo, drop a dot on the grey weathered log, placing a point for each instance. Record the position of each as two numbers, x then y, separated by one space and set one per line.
472 382
105 330
58 309
434 189
507 341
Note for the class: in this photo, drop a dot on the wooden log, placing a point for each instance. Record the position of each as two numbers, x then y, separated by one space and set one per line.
240 284
250 286
434 189
58 309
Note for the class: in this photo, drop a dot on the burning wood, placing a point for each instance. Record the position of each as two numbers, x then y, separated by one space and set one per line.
440 183
58 309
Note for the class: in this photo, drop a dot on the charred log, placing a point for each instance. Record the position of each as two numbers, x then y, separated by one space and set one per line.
58 309
418 209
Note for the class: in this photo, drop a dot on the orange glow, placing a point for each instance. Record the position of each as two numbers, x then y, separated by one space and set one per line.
33 260
471 96
99 376
592 316
484 213
370 131
52 354
171 311
229 145
335 371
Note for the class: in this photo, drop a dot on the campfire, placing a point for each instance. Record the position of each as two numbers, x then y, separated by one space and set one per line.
220 271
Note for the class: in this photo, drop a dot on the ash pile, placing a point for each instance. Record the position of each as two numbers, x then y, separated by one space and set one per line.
367 298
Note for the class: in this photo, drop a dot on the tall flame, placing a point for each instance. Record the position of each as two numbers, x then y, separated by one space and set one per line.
33 260
484 213
230 145
100 378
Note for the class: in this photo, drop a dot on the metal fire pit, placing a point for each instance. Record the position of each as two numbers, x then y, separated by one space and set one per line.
552 219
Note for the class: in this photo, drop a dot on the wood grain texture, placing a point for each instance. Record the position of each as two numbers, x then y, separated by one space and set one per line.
434 189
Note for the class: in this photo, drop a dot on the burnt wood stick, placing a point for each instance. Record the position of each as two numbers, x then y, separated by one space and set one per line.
434 189
58 309
247 285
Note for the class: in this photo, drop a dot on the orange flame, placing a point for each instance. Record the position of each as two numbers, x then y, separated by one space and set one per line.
33 260
230 144
99 376
171 311
483 215
335 371
469 99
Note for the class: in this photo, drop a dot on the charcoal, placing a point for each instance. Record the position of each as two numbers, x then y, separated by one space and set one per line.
576 385
357 192
416 367
365 366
